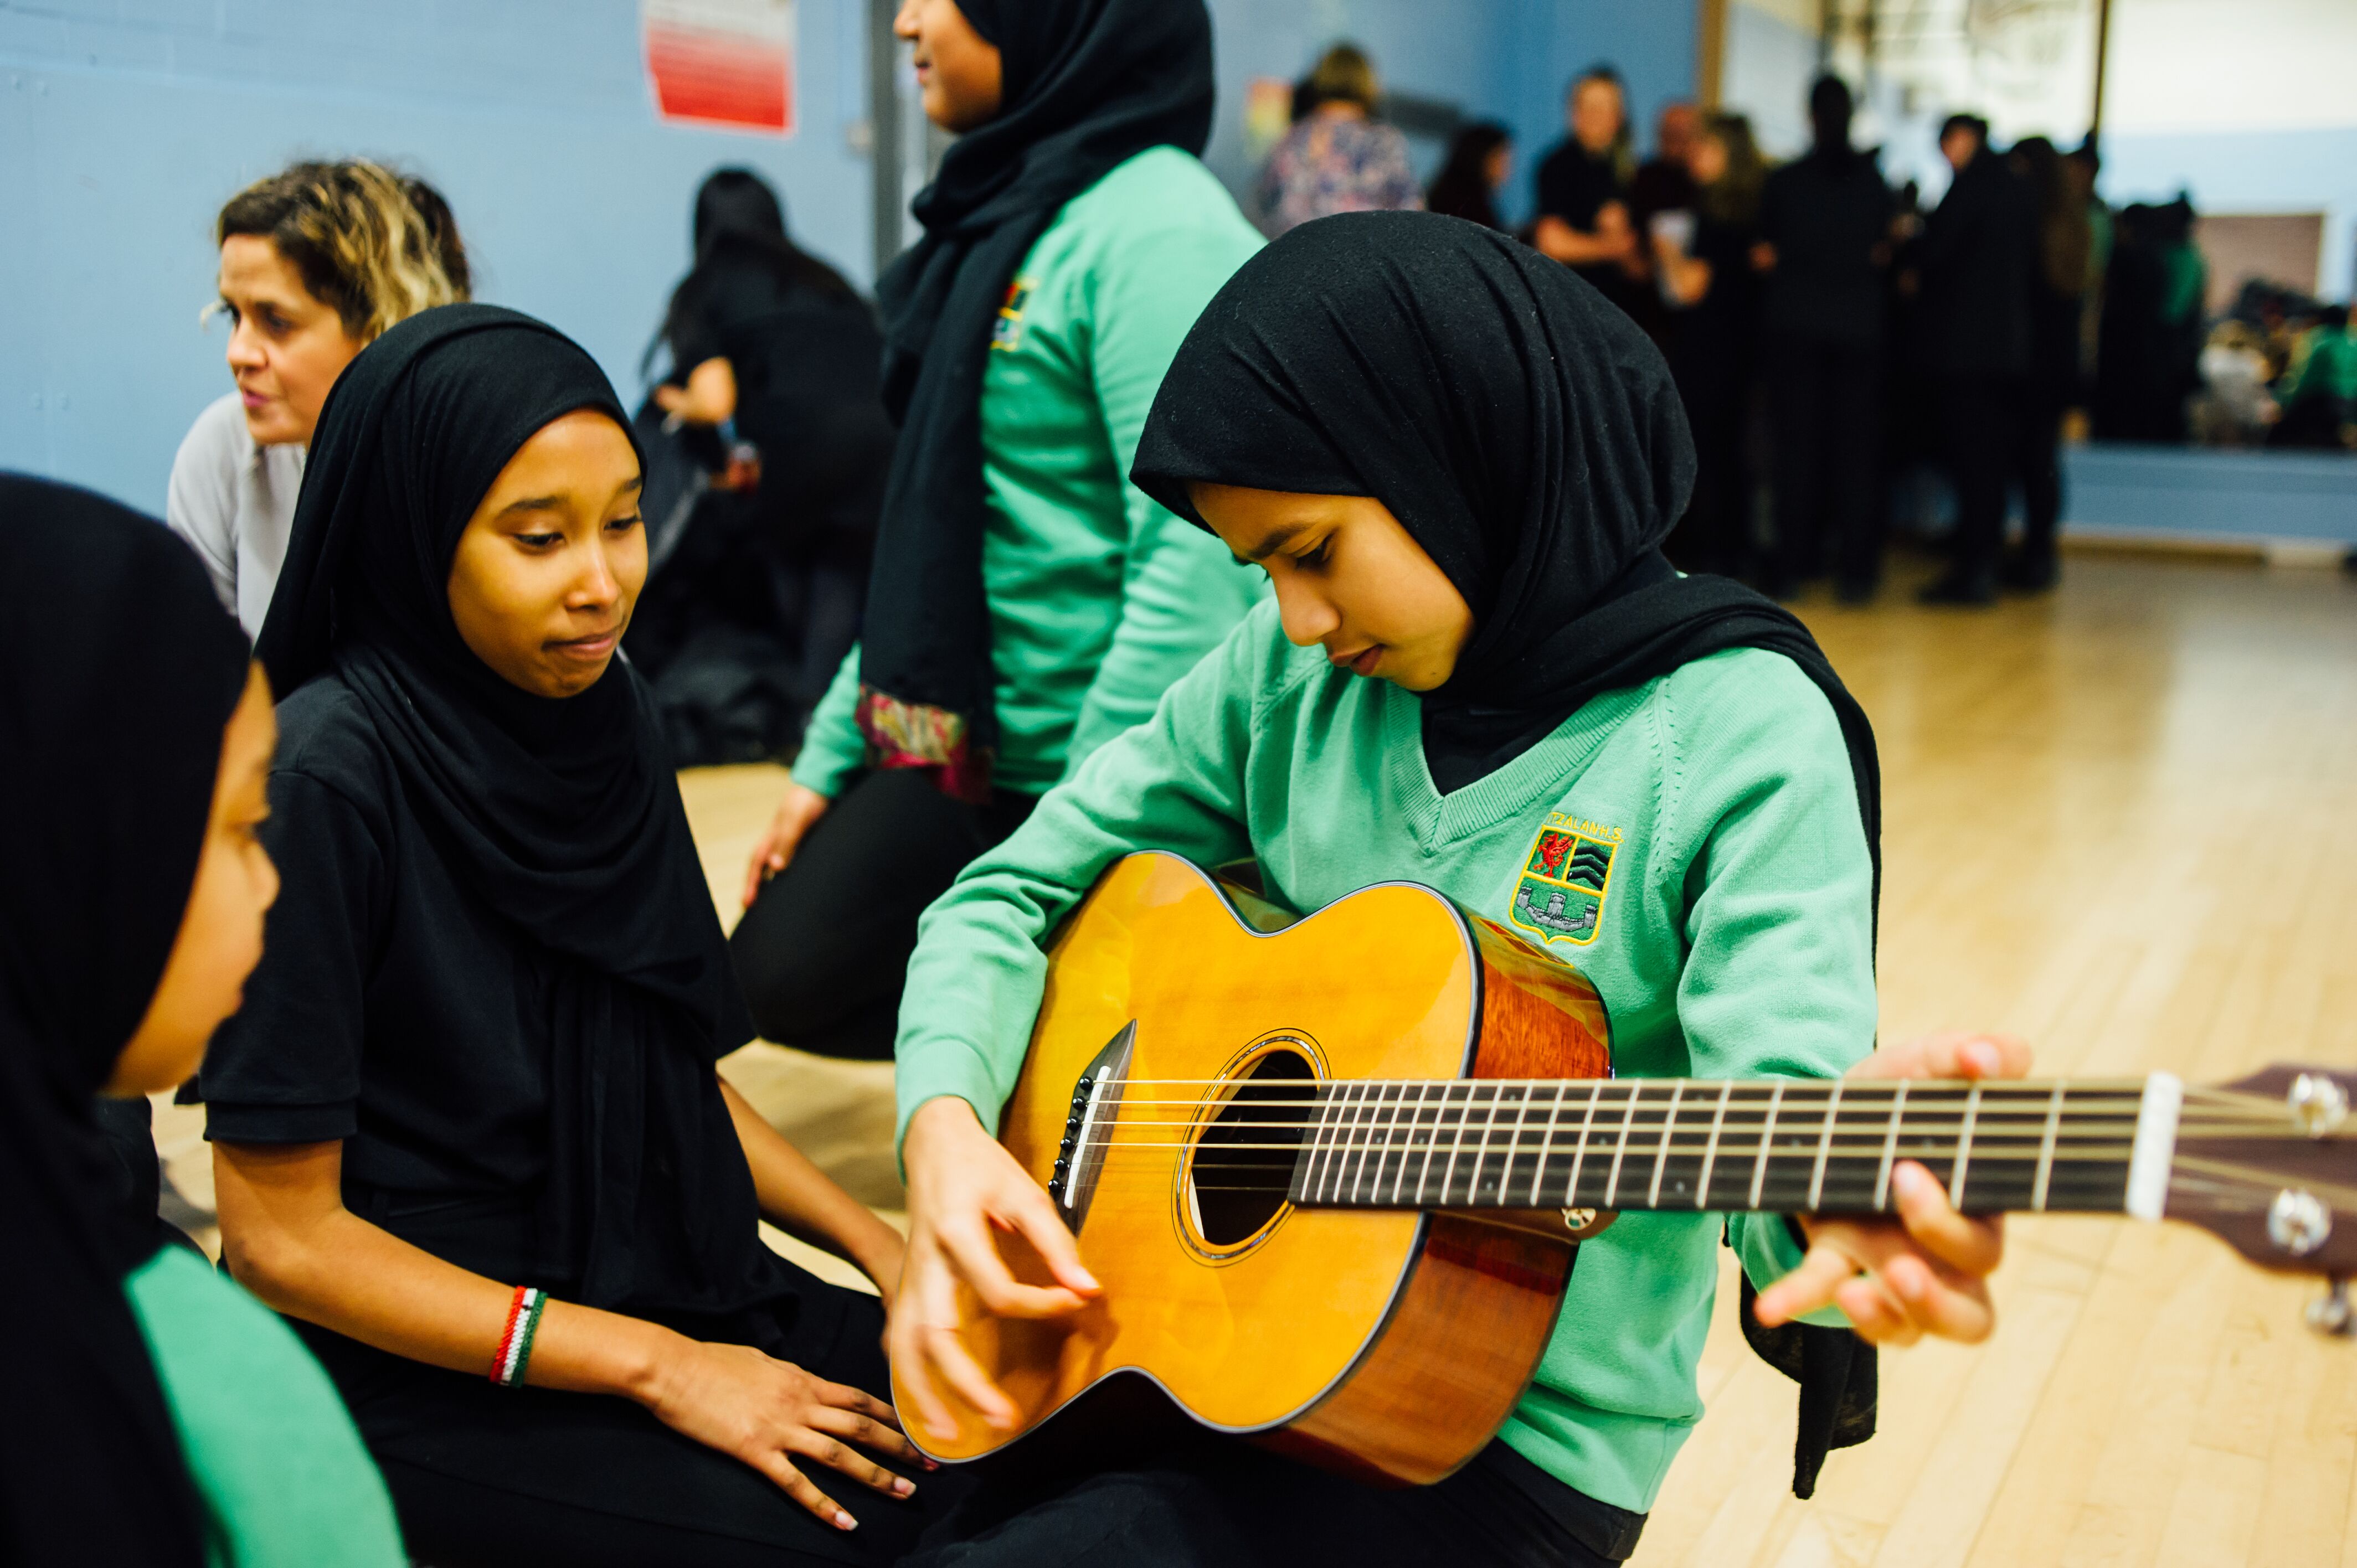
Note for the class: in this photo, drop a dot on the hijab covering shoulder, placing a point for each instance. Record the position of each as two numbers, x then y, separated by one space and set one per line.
1528 435
119 670
562 814
1087 84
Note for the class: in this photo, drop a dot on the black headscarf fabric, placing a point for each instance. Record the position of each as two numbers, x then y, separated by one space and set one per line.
119 670
1087 84
563 814
1528 435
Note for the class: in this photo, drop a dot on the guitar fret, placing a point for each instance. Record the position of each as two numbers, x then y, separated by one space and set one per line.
1439 1119
1767 1140
1824 1145
1456 1147
1546 1146
1473 1184
1889 1146
2046 1149
1579 1157
1345 1109
1662 1151
1365 1140
1621 1144
1416 1123
1710 1150
1964 1147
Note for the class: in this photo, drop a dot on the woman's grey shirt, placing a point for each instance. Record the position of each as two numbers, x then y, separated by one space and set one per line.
235 502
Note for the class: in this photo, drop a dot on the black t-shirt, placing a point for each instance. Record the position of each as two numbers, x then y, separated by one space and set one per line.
1576 186
394 1010
1825 217
1711 341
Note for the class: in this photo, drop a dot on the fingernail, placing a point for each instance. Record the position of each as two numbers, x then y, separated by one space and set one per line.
902 1485
845 1521
1088 1280
932 1464
1906 1179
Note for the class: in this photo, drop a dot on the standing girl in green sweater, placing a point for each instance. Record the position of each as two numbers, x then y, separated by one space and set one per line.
1454 461
1027 605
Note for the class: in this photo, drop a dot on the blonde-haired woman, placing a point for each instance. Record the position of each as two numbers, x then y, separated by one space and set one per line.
315 263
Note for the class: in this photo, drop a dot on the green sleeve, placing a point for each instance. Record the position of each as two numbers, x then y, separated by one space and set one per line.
1778 893
833 747
1180 590
284 1480
1175 782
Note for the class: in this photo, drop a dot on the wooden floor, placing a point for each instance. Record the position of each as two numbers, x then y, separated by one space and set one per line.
2123 822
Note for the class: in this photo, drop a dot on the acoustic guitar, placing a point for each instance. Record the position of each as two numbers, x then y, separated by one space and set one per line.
1332 1173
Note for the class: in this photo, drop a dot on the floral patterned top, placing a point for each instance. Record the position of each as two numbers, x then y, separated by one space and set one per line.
1328 165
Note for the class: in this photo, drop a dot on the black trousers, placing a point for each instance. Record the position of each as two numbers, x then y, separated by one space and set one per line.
2039 462
1979 434
823 951
1823 411
1196 1500
483 1477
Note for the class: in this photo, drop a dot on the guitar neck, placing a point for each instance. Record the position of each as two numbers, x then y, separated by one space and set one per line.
2089 1146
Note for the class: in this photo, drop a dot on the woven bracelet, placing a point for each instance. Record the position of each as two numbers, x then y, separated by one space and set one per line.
515 1344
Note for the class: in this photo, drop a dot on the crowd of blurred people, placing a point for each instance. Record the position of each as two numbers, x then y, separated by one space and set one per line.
1845 352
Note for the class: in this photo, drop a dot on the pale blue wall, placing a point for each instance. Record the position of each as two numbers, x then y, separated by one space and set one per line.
1549 42
124 123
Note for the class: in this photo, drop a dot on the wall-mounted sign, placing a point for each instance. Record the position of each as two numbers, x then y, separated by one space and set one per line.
722 62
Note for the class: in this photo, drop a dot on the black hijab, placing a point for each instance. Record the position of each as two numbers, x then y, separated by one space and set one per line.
118 671
562 814
1087 85
1527 434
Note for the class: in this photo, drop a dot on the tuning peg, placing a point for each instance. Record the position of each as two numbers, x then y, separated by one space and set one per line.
2329 1313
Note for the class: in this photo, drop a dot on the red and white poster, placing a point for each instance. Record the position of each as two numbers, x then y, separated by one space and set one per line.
722 62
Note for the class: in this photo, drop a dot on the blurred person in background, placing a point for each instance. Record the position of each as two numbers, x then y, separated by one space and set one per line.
1824 242
2056 301
1702 255
1662 183
1977 259
2151 336
315 263
1338 157
1028 603
2319 396
1480 160
1582 191
2234 408
755 605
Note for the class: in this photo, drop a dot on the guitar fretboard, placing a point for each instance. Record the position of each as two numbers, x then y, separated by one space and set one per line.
1779 1145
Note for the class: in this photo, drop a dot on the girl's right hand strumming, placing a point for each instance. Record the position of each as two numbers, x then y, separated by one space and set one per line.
767 1412
965 1188
801 807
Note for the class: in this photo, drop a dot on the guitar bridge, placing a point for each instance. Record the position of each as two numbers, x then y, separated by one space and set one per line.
1088 1131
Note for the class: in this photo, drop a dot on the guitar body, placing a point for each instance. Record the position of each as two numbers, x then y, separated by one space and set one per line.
1387 1344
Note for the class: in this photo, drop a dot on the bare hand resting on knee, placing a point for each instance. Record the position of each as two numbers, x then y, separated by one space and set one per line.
775 851
770 1413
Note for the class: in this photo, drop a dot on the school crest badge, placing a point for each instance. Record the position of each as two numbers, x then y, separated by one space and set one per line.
1559 895
1007 332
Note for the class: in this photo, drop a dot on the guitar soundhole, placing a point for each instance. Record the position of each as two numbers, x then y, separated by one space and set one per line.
1244 1162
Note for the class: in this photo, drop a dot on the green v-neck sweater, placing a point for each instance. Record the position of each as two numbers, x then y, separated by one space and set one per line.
1727 925
1099 598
